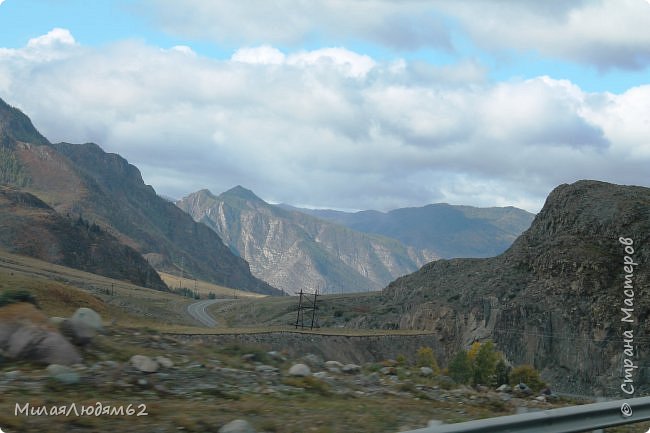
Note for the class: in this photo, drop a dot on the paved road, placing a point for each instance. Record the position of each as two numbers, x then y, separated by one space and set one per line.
197 311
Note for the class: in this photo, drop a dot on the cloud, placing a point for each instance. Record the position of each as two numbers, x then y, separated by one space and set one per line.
400 25
605 34
328 127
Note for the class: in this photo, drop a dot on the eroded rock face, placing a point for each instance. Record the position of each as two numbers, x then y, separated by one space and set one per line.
553 299
295 251
25 336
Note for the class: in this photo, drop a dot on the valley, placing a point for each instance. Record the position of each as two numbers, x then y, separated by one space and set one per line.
443 311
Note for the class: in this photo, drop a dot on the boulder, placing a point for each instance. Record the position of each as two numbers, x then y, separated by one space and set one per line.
237 426
164 362
426 371
299 370
504 388
82 326
63 374
144 364
312 360
522 389
333 366
25 335
351 368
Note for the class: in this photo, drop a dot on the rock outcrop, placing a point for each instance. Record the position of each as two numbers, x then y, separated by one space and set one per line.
555 298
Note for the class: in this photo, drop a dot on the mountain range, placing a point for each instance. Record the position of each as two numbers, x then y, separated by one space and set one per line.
83 181
332 252
440 229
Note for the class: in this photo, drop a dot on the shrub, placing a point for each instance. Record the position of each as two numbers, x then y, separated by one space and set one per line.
425 358
502 373
13 296
401 359
460 368
527 374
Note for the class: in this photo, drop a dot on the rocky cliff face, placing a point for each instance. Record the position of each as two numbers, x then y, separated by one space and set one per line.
554 298
295 251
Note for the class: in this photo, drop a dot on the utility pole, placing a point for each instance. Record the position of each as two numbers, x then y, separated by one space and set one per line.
300 313
180 282
313 311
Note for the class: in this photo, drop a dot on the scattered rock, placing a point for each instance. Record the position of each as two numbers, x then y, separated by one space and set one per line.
541 398
333 366
388 370
56 321
351 368
13 375
63 374
164 362
276 355
312 360
144 364
299 370
266 369
522 389
237 426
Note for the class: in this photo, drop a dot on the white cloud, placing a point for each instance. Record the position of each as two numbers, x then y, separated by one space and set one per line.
604 33
55 37
330 127
263 55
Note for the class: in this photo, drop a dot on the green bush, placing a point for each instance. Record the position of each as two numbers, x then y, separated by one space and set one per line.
460 368
485 364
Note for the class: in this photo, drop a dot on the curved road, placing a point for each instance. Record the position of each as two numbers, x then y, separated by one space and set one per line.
197 311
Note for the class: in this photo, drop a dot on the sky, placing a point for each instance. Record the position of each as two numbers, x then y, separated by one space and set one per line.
343 104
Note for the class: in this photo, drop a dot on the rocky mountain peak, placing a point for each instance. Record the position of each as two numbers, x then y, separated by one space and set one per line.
15 126
241 193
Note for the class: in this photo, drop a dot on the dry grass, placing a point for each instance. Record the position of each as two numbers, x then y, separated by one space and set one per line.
204 288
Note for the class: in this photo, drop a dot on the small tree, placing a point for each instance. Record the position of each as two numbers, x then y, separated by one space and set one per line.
473 351
460 368
527 374
485 364
501 373
425 358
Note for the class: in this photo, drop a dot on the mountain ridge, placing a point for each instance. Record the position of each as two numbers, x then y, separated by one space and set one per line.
295 251
444 230
83 179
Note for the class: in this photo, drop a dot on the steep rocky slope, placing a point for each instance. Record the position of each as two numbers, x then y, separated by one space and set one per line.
32 228
554 298
295 251
82 179
443 230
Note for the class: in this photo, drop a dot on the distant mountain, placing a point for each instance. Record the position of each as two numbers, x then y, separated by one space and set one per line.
295 251
441 229
554 298
82 179
32 228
